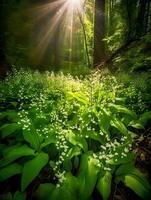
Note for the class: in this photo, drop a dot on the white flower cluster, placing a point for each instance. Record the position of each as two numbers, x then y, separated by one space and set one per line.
24 120
62 147
112 151
61 177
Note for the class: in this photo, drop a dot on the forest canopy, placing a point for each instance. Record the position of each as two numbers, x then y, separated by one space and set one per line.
65 34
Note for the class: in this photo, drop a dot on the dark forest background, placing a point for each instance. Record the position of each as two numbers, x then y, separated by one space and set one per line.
117 33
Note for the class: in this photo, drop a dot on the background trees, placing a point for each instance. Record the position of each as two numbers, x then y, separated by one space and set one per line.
99 32
112 25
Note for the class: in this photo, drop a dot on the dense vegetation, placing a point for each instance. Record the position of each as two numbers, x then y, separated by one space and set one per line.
72 138
75 99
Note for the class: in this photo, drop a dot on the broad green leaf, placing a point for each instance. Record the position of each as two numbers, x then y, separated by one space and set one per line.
44 191
142 121
104 185
104 121
12 115
33 139
94 135
68 190
136 124
16 152
134 179
10 171
138 186
63 193
8 129
67 164
19 196
130 169
76 140
119 125
32 168
51 139
122 109
144 118
82 98
75 151
87 177
125 169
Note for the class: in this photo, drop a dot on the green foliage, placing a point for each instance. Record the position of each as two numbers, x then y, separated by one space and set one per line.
32 168
134 179
9 171
79 132
104 185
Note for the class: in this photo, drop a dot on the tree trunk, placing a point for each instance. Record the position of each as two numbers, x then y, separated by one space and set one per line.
140 26
4 67
99 32
148 12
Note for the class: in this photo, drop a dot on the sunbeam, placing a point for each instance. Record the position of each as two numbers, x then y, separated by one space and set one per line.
62 15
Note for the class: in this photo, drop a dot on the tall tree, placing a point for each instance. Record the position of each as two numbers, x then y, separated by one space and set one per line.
3 14
140 24
99 32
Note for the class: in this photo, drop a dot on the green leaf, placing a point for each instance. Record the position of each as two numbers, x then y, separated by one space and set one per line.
104 185
87 176
10 114
142 121
125 169
19 196
136 125
44 191
134 179
82 98
33 139
67 164
138 186
144 118
10 171
75 151
104 121
50 140
122 109
69 188
76 140
94 135
8 129
16 152
119 125
32 168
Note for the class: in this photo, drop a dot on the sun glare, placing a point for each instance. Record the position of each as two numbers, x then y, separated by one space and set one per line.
75 3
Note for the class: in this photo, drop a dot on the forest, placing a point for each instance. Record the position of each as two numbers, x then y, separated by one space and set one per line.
75 99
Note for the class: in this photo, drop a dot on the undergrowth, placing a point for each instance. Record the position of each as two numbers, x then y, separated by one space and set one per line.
68 137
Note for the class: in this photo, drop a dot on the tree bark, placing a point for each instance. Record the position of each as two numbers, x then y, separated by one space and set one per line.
4 66
140 27
99 32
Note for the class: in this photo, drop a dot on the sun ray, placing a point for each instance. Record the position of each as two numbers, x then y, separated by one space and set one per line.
65 15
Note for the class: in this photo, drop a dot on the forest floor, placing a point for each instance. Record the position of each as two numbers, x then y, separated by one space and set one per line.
62 134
